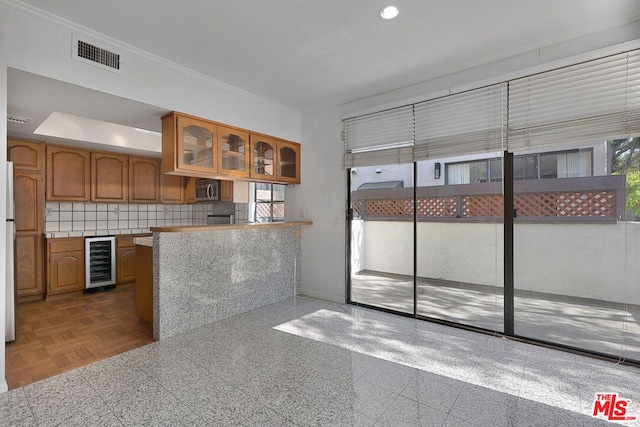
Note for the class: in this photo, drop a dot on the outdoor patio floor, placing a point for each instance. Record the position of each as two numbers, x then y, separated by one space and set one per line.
598 326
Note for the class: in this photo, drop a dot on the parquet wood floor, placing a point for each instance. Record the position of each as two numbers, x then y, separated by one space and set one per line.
72 330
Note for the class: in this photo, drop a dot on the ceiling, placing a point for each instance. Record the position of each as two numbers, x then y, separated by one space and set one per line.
310 54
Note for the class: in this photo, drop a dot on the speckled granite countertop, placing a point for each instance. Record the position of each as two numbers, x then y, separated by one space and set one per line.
219 227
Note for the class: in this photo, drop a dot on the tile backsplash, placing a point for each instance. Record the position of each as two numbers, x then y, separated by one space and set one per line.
86 219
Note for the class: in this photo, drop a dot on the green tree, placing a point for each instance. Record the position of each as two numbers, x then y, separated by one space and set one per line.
625 160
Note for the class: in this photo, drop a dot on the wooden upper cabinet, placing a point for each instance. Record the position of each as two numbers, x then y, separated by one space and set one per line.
189 146
288 162
144 180
26 155
109 178
68 174
226 191
175 189
28 190
263 157
233 152
197 147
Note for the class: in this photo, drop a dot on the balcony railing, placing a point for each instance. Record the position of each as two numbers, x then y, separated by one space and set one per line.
591 199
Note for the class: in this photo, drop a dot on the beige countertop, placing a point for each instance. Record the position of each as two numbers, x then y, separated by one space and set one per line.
222 227
143 241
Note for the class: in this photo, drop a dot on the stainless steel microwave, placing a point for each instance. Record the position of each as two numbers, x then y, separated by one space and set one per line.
207 190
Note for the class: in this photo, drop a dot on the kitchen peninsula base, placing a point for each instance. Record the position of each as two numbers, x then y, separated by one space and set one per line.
208 273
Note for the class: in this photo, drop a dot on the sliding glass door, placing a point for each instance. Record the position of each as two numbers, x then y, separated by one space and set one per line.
459 240
382 237
513 207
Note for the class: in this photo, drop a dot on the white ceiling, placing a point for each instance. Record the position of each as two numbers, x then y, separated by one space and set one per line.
311 54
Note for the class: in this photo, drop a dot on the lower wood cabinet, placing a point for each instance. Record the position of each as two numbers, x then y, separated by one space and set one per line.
65 265
28 266
125 259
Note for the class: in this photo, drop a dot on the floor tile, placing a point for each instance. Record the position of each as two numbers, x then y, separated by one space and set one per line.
15 410
483 406
407 412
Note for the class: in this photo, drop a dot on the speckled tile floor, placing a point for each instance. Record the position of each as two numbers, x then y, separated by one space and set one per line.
305 362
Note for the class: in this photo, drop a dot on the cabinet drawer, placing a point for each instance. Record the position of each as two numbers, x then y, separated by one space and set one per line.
69 244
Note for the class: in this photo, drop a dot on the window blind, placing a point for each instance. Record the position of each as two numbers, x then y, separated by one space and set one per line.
594 100
465 123
586 102
380 138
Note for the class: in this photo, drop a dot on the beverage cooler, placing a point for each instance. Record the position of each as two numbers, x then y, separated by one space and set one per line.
100 262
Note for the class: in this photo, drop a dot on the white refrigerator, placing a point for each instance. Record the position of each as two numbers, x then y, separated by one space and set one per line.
10 321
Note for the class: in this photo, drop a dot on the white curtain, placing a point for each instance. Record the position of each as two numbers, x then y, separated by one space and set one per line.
459 173
574 165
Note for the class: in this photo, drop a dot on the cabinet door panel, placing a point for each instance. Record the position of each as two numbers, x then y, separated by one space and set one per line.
66 272
126 265
144 180
109 175
171 189
28 265
288 162
263 161
233 151
28 199
26 155
67 174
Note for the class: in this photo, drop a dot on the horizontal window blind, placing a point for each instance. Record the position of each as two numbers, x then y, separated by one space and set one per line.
599 99
380 138
586 102
465 123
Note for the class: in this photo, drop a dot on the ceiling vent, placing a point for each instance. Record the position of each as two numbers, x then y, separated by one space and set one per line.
17 119
90 53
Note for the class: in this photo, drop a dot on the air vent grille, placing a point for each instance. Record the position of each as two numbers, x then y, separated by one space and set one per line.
98 55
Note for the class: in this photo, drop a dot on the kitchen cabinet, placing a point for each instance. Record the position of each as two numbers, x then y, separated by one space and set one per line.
125 259
28 194
263 157
144 180
28 197
144 284
189 146
29 256
201 148
67 174
226 191
233 151
65 265
26 155
288 161
109 178
177 189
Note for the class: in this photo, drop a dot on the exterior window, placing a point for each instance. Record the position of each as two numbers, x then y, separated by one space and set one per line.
269 202
567 164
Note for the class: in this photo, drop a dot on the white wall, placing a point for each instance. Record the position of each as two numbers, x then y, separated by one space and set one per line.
41 44
597 261
322 196
324 183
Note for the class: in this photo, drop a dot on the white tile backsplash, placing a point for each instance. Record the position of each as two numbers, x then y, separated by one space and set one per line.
63 218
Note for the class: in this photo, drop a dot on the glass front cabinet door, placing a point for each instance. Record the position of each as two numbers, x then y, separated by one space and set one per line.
196 145
263 157
234 152
288 162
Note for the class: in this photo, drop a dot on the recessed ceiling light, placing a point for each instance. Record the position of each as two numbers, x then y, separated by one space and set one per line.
388 12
